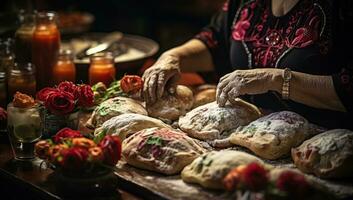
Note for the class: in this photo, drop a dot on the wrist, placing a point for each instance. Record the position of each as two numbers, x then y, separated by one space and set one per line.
277 80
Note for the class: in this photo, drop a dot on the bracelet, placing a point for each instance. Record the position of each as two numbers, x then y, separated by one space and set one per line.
287 76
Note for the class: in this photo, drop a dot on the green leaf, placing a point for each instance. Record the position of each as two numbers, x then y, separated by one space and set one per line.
100 136
155 141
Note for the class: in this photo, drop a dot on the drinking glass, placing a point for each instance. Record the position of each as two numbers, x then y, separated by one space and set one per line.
24 130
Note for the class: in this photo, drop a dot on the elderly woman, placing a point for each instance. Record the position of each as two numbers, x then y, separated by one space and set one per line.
278 54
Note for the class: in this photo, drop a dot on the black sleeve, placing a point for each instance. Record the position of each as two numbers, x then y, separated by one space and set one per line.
343 81
216 36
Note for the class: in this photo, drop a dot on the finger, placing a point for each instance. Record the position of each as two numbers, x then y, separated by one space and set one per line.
220 87
152 88
224 77
222 99
223 90
232 95
145 89
161 85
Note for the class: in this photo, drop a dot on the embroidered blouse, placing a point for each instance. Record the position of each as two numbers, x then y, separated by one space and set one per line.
313 37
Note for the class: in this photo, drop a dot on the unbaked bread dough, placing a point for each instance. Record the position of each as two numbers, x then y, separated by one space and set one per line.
210 122
274 135
327 155
126 124
171 106
161 150
114 107
209 169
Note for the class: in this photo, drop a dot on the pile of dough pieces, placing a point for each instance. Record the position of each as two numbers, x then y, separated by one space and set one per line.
165 137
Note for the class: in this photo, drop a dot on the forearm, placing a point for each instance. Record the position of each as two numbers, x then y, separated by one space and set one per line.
193 56
312 90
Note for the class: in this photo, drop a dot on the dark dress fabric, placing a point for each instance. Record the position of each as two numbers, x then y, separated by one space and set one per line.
314 37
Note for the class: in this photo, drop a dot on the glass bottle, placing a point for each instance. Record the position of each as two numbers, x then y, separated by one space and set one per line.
45 47
23 37
3 90
6 63
64 69
102 68
22 78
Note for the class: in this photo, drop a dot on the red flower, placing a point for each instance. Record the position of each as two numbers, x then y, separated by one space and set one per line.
41 149
233 178
111 146
131 84
293 183
69 87
254 177
44 93
60 102
55 155
85 96
66 133
96 154
83 143
74 158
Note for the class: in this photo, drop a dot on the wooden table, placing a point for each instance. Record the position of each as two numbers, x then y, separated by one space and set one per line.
30 181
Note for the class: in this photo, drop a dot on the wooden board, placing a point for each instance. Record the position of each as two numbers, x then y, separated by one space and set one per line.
159 186
151 185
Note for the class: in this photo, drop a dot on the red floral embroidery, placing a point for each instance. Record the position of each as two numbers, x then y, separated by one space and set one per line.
241 26
208 37
267 44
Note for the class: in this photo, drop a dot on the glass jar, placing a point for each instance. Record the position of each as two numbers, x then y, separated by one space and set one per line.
22 78
6 55
45 47
23 37
102 68
64 69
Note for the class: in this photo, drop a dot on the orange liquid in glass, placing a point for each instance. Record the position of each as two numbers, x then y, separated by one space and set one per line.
102 72
45 44
64 71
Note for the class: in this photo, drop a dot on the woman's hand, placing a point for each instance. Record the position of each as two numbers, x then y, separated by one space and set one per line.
252 81
164 73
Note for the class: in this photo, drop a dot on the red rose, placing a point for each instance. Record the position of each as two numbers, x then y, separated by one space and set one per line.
86 96
44 93
111 146
69 87
74 158
254 177
131 84
41 149
66 133
293 183
60 102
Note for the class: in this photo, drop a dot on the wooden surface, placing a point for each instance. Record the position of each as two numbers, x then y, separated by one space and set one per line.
166 187
30 181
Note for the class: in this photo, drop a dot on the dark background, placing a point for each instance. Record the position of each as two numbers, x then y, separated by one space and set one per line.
168 22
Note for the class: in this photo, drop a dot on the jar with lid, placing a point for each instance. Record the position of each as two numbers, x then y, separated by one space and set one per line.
22 79
102 68
23 37
64 69
45 47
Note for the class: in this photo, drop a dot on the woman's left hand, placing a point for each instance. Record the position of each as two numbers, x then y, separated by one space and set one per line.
251 81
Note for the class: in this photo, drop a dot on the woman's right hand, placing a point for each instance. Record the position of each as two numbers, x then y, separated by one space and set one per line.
164 74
